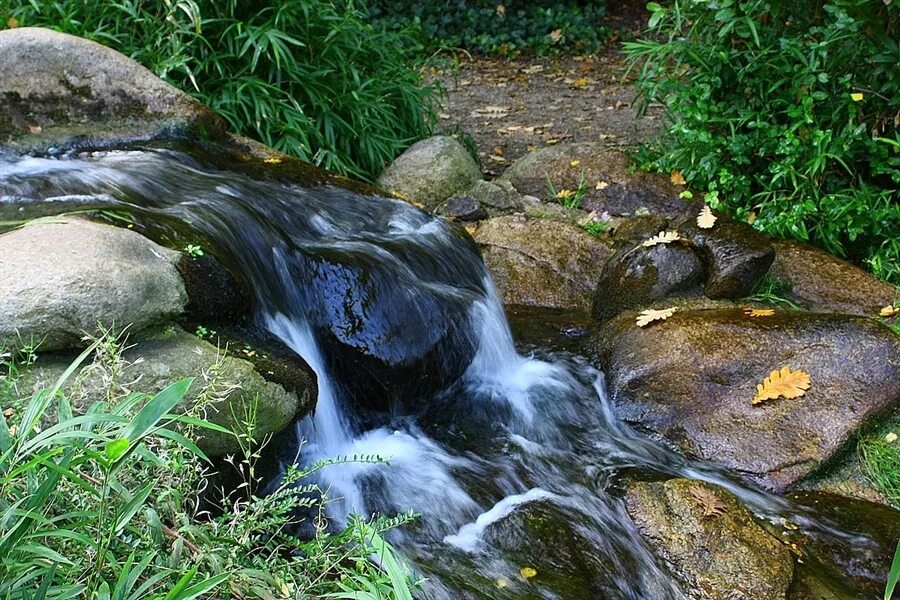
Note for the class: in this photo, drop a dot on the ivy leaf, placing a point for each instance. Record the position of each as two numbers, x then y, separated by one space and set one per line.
706 219
759 312
784 383
666 237
650 315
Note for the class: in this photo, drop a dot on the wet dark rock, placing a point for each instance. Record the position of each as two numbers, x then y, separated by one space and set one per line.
59 90
463 208
710 540
642 275
629 232
691 380
214 295
538 262
65 277
737 257
620 192
430 171
821 282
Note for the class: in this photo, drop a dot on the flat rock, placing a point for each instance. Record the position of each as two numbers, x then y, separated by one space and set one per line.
609 183
821 282
61 277
55 88
691 379
430 171
710 540
539 262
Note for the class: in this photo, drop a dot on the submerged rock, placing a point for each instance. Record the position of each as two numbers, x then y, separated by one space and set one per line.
56 88
63 277
606 176
431 171
821 282
710 540
539 262
692 378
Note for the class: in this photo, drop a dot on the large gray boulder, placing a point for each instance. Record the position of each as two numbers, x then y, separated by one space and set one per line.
538 262
56 88
692 378
63 277
430 171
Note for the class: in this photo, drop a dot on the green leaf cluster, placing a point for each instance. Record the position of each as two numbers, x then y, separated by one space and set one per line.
786 113
311 78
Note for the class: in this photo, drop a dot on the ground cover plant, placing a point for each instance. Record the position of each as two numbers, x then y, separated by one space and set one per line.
104 503
311 78
786 113
504 27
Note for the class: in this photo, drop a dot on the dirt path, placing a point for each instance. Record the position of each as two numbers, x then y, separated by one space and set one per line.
513 106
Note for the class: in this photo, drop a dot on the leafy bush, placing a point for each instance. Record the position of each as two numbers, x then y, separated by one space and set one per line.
786 113
498 27
103 505
309 77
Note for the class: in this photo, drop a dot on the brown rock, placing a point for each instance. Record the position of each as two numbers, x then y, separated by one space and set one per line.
540 262
691 379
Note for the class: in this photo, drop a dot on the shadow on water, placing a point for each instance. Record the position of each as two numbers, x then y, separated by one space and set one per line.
512 459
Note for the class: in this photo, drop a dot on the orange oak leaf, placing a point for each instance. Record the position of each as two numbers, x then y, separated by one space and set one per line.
782 384
650 315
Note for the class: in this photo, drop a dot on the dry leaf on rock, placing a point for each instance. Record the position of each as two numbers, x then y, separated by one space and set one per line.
677 178
527 572
784 383
650 315
706 218
666 237
889 311
759 312
708 501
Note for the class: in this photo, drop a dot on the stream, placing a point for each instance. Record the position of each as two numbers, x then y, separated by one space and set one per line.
513 456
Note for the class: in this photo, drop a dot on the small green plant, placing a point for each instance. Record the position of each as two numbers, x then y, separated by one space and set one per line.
507 27
893 575
880 459
771 290
595 228
193 250
204 333
784 112
571 199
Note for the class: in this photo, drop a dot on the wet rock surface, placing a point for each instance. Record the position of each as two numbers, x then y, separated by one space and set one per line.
540 262
64 276
710 540
56 89
431 171
691 379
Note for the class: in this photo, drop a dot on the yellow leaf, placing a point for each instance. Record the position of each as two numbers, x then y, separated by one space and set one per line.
857 97
759 312
706 218
501 583
501 10
677 178
889 311
580 83
890 438
751 217
784 383
272 160
601 185
666 237
650 315
9 412
471 229
556 35
564 194
527 572
12 23
574 163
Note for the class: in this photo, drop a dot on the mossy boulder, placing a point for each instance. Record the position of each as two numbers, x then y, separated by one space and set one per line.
710 540
58 90
430 171
692 378
63 277
538 262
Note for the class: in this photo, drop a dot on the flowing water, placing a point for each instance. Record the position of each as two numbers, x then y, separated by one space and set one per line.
511 459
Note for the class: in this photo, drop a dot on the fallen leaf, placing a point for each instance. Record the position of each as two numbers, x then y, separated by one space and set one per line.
12 22
9 412
565 194
708 501
580 83
272 160
751 217
889 311
471 229
706 219
533 69
501 583
759 312
34 129
556 35
501 10
890 438
574 163
784 383
13 430
857 97
527 572
677 178
650 315
666 237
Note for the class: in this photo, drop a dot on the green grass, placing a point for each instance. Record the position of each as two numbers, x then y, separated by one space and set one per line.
880 460
771 290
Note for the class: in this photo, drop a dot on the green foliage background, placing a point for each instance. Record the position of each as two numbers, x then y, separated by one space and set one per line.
311 78
786 110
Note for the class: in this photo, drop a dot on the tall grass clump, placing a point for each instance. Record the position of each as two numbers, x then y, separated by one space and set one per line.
786 114
309 77
104 504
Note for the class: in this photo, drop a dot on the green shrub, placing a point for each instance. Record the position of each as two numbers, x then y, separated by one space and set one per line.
786 113
103 505
309 77
498 27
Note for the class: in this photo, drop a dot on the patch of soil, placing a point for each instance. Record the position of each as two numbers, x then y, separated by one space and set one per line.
514 106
